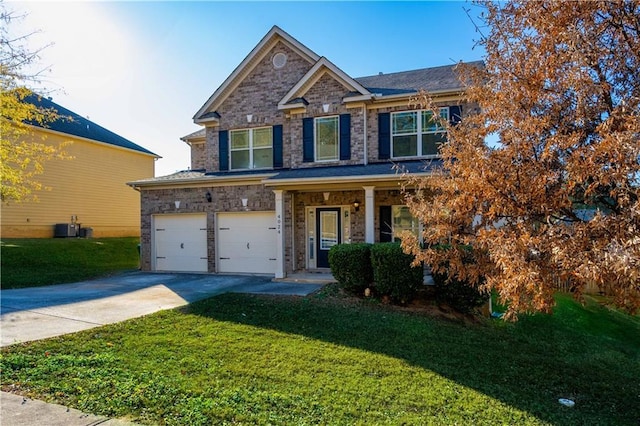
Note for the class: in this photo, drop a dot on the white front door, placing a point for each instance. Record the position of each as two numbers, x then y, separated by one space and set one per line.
246 242
180 242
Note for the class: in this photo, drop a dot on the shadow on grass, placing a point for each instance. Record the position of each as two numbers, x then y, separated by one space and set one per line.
590 356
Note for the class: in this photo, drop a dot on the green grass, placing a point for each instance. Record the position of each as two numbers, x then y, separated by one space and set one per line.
39 262
241 359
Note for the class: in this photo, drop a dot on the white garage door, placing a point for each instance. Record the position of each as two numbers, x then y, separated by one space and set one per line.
180 242
247 242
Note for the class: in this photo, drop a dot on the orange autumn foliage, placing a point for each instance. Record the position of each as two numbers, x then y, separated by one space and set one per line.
557 197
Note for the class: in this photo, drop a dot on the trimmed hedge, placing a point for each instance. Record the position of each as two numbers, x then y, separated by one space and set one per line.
351 266
460 295
393 274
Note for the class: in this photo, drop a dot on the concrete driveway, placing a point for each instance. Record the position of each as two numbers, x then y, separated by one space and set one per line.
41 312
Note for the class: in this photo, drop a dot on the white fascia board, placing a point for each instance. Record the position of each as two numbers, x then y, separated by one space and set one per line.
301 49
383 98
203 121
361 98
310 77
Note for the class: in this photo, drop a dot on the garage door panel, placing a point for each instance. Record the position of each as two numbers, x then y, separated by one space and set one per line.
246 242
180 243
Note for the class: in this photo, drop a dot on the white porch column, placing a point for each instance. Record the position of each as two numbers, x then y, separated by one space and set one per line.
279 233
369 211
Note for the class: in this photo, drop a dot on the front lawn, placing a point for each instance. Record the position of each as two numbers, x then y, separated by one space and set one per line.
326 360
45 261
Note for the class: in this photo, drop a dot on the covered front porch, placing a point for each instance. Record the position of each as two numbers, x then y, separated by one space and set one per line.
318 208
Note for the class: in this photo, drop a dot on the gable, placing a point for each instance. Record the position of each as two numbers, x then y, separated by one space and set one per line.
257 56
259 92
320 71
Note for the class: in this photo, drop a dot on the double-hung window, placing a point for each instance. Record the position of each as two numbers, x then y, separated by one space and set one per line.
403 221
416 133
327 140
251 148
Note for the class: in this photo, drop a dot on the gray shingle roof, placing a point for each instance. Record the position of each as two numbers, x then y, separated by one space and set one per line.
195 135
76 125
300 175
360 170
430 79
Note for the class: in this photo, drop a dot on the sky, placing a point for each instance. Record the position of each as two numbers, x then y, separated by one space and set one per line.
143 69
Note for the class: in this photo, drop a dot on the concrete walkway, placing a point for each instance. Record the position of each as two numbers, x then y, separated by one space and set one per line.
19 411
41 312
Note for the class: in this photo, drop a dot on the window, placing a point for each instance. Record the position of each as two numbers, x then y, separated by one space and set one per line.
402 221
416 133
326 140
251 148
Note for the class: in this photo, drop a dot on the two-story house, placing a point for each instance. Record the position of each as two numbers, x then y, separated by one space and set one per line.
295 156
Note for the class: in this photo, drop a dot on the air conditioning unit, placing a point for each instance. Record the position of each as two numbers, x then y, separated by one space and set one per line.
65 230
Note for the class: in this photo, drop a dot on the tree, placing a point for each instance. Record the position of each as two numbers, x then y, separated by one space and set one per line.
557 197
22 155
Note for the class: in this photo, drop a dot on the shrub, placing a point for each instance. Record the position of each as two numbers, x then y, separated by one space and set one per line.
460 295
393 274
351 266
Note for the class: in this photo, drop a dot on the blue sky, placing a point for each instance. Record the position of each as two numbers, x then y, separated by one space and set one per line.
142 69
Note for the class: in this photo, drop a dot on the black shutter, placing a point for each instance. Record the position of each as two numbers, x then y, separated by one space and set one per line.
345 136
277 146
307 140
386 230
223 149
384 136
455 114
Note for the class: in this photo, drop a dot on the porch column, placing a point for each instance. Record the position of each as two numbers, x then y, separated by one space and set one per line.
369 212
279 233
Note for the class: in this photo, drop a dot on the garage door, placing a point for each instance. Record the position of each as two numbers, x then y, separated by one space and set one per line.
180 242
247 242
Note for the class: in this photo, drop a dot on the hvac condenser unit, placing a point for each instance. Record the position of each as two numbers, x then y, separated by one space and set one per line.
65 230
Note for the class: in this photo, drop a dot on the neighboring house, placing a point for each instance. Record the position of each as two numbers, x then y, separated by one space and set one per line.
89 189
295 156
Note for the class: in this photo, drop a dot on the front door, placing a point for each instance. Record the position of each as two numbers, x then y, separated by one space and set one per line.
328 233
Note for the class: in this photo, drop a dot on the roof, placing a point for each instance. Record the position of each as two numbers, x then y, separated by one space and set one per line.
274 35
198 134
74 124
360 170
322 66
430 79
310 174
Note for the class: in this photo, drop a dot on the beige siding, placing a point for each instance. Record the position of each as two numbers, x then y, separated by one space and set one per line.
91 186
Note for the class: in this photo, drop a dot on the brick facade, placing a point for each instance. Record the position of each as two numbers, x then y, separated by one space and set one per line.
257 94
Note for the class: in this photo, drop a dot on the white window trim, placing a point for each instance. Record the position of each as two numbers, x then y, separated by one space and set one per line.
315 139
418 135
250 148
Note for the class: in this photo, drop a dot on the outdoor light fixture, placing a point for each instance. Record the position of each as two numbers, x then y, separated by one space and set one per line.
208 196
244 203
325 107
326 195
249 118
177 203
356 205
